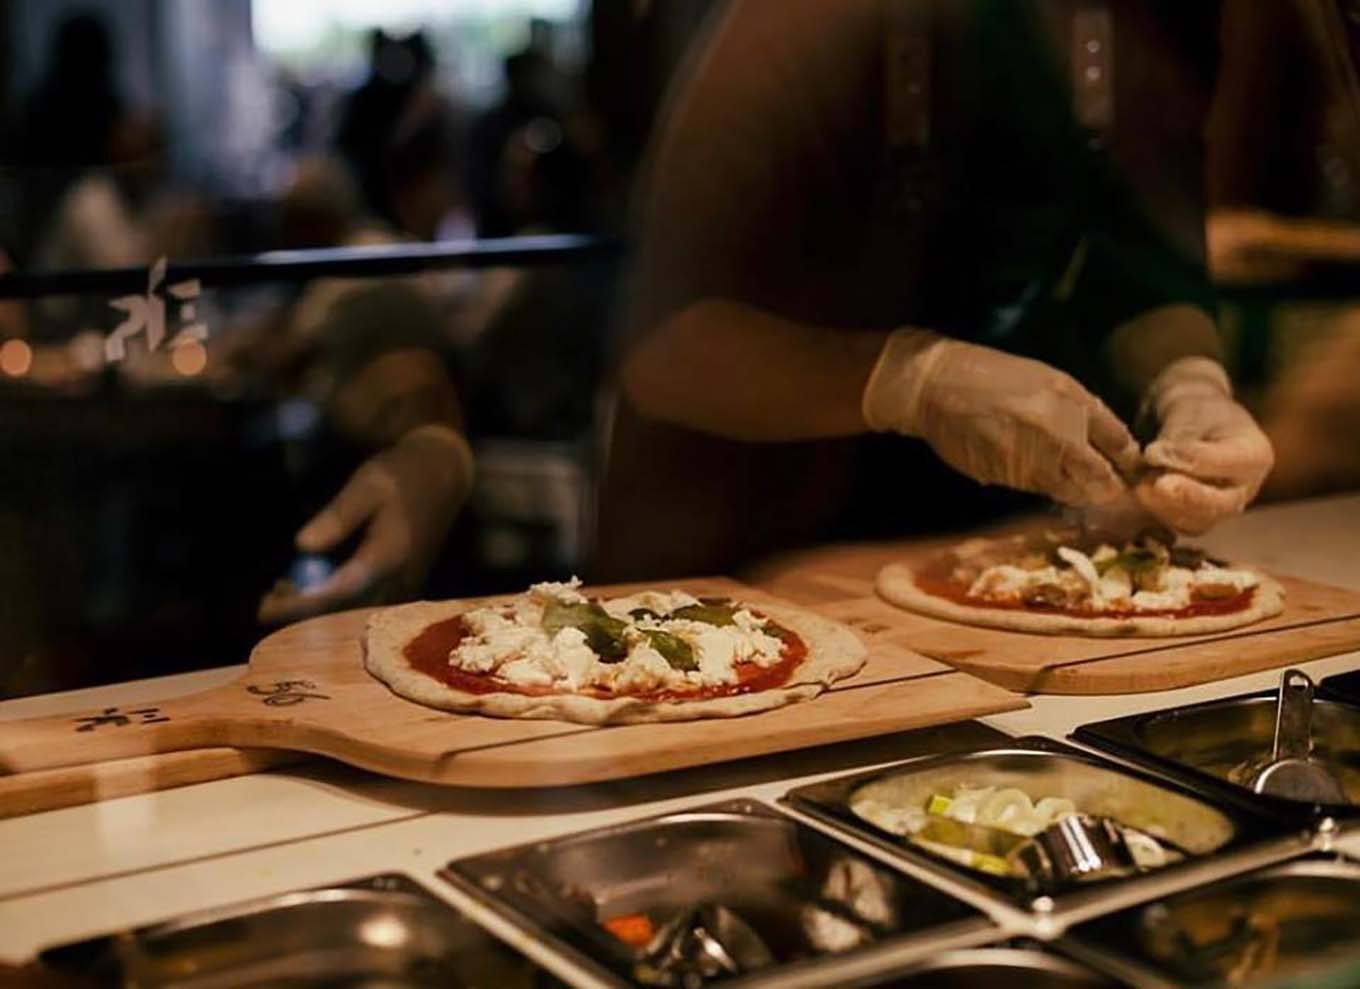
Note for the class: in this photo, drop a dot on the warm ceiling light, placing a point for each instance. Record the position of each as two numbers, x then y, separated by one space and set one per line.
16 357
189 358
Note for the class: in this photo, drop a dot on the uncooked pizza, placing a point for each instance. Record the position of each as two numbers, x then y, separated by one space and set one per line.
1063 582
656 655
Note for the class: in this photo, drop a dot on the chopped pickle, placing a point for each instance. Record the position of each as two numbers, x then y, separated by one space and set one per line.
709 614
603 632
991 863
938 804
678 653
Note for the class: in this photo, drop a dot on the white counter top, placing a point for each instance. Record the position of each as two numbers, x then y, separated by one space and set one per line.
81 871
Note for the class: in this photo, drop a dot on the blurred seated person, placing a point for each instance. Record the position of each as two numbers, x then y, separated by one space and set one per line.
902 217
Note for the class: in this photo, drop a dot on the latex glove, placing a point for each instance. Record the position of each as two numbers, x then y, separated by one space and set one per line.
1001 419
406 498
1211 456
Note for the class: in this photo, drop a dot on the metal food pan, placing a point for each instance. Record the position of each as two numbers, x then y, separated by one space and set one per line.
1297 921
1200 743
1215 832
384 931
1023 966
820 908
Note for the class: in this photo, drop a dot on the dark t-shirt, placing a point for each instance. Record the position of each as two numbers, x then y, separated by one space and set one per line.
781 182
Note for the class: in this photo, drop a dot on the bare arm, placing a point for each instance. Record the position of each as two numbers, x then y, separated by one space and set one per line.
724 367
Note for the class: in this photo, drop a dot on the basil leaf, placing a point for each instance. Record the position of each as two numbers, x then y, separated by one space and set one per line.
603 632
709 614
678 653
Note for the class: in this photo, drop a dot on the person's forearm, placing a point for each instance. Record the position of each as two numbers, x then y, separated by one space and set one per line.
1142 348
727 368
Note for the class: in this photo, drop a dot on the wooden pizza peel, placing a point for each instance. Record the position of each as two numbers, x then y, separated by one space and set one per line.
305 689
1318 620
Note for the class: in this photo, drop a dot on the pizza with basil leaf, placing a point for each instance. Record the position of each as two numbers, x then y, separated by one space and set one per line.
554 652
1068 582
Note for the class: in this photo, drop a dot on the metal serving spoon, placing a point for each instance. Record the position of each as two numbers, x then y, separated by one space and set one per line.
1291 772
704 942
1075 848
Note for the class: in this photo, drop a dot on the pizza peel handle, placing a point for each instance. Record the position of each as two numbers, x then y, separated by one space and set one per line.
231 715
285 699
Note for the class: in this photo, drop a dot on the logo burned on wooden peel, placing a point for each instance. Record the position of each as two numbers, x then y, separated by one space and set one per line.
113 717
284 693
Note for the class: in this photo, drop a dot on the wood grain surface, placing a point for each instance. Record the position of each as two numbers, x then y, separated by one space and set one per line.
1318 620
306 690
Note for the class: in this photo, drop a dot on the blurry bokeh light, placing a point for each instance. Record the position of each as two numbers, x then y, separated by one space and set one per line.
16 358
189 358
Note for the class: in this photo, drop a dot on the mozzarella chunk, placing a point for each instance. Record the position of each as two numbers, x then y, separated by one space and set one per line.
571 660
1084 568
1116 587
1160 600
1239 579
526 672
567 593
661 602
645 670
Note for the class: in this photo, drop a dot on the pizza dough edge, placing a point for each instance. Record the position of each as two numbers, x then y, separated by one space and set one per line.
896 584
834 652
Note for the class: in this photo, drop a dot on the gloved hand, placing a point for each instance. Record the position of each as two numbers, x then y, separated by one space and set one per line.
406 497
1211 455
1001 419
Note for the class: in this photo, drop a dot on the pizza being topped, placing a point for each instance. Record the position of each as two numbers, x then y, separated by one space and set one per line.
654 655
1064 581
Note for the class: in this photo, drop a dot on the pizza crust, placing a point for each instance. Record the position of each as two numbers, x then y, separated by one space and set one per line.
896 583
834 652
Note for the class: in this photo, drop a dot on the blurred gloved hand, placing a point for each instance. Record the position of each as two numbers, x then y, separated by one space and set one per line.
405 498
1211 456
1001 419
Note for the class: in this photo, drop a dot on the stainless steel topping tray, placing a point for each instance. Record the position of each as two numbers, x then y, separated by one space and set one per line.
1210 830
384 931
818 906
1200 743
1299 918
1025 967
